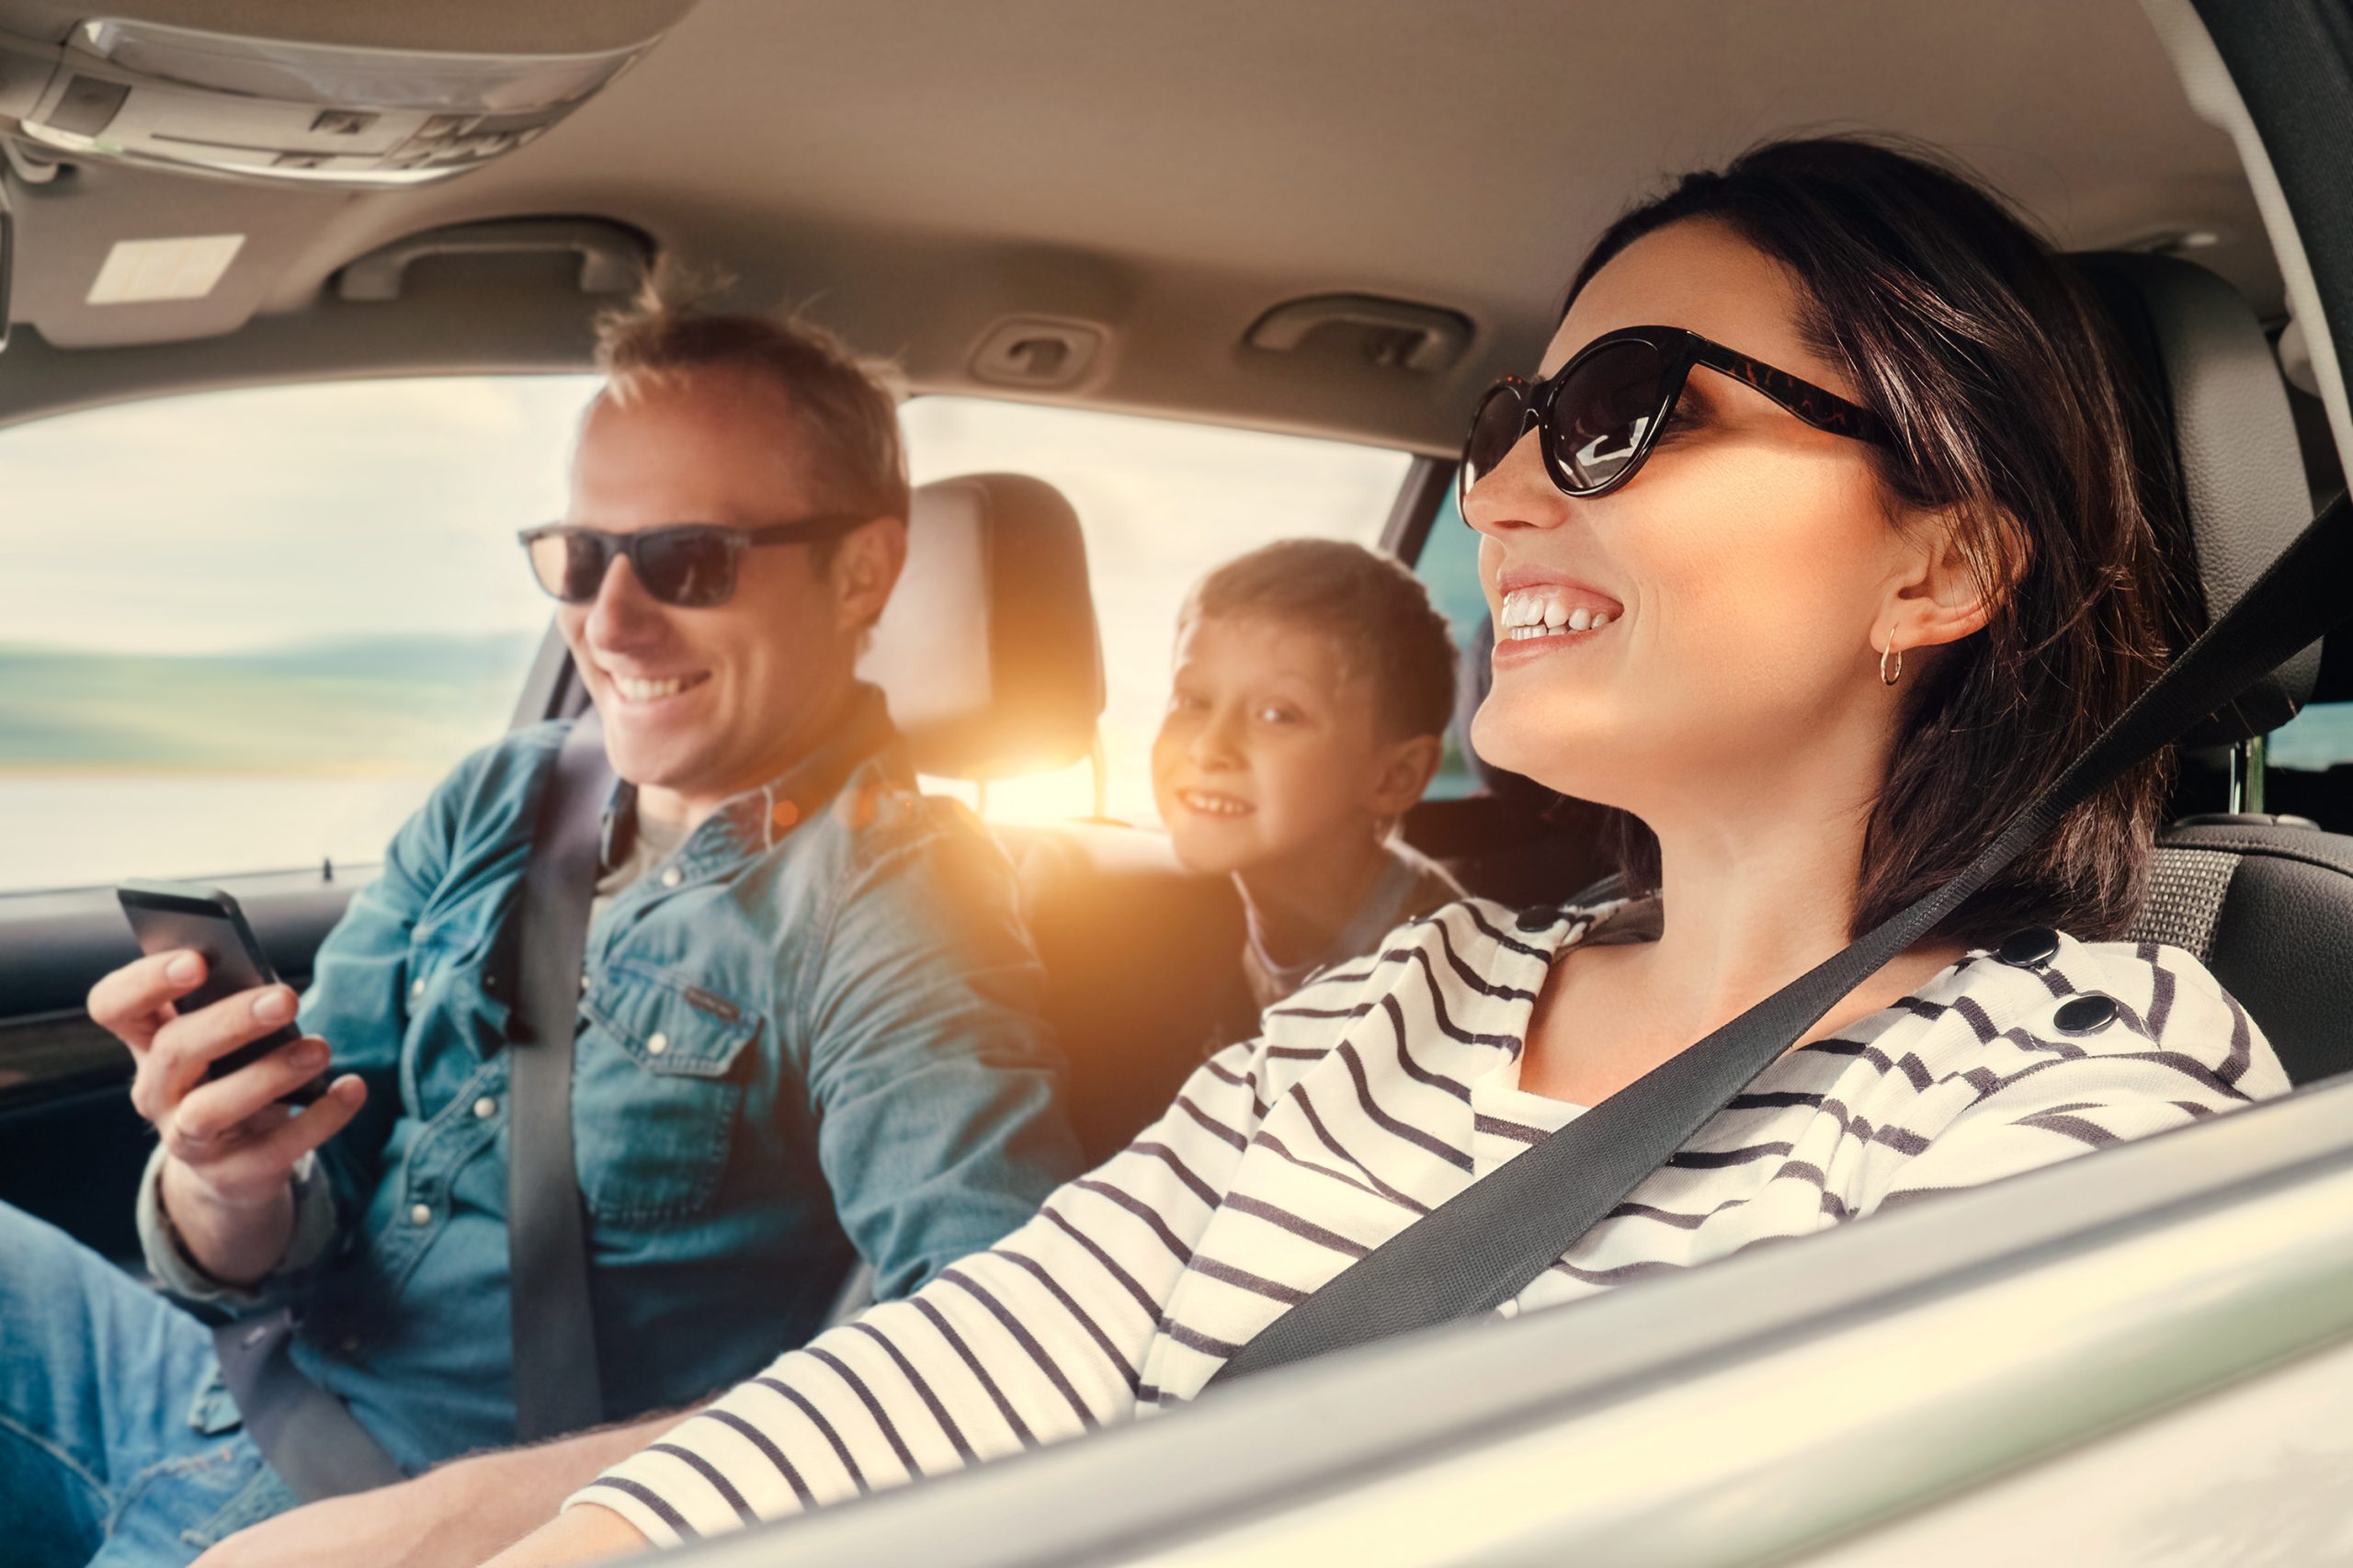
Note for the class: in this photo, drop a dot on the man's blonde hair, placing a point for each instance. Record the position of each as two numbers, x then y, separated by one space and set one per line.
845 424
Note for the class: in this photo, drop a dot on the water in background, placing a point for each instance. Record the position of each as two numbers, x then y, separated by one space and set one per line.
80 830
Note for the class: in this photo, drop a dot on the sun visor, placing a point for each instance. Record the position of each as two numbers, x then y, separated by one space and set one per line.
284 112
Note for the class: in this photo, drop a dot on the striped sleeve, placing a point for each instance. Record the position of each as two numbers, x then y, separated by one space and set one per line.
1039 1338
2179 1048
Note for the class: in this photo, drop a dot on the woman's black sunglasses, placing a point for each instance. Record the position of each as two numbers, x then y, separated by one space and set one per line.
1600 415
691 565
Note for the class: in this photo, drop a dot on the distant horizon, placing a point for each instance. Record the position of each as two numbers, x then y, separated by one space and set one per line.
367 705
313 643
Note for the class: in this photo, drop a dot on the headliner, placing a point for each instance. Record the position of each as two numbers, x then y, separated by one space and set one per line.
912 171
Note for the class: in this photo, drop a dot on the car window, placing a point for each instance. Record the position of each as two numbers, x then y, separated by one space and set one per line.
1448 567
2319 738
247 630
1161 502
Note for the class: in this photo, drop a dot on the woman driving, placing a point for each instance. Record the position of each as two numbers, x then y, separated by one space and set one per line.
1816 547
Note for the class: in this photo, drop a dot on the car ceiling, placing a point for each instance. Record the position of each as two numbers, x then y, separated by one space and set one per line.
915 172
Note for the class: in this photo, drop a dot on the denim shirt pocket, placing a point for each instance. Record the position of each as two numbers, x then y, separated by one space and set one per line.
655 1094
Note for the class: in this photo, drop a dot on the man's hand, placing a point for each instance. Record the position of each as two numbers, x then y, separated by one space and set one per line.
423 1523
585 1534
230 1147
456 1517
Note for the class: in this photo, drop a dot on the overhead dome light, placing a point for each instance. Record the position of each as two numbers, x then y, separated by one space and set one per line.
271 109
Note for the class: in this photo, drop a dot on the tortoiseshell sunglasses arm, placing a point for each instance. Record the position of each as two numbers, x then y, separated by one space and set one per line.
1821 409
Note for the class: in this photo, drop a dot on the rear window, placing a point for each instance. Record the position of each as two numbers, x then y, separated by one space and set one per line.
1449 568
2319 738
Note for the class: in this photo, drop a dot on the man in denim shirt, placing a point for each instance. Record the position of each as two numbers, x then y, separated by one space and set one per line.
809 1025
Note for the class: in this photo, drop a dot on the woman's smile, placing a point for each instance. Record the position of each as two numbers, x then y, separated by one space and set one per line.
1542 612
1521 645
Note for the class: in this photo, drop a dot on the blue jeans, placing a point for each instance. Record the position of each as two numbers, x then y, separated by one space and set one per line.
119 1447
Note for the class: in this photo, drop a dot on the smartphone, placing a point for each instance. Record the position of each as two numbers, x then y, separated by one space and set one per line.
165 916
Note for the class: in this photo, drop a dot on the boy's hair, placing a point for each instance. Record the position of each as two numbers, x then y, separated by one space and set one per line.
846 418
1369 604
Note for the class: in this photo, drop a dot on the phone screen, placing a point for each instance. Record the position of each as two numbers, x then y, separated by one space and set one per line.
165 916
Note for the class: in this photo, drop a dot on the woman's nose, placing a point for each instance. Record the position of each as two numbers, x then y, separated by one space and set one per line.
1516 493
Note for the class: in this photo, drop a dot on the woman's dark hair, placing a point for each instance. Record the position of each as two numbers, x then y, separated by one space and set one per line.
1976 343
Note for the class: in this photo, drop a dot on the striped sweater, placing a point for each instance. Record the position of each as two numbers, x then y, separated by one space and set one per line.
1377 1093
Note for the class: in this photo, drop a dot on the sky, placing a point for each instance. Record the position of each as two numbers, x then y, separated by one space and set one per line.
241 519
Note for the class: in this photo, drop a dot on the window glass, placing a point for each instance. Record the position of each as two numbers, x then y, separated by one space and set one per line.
1161 503
2319 738
248 631
1448 567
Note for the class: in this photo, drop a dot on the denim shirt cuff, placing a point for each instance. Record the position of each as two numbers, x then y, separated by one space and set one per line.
179 1275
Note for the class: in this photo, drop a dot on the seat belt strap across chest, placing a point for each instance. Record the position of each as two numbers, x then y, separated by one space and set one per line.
557 1386
1480 1248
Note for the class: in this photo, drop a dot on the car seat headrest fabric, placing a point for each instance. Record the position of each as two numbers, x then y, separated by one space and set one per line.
987 651
2216 385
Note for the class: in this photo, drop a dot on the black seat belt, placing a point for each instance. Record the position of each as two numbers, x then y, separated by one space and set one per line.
1480 1248
308 1435
556 1380
310 1438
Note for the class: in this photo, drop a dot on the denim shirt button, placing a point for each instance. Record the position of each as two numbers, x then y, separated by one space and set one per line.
485 1108
671 878
655 1044
421 1214
417 988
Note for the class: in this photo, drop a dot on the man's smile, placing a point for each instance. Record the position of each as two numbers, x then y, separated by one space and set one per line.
645 690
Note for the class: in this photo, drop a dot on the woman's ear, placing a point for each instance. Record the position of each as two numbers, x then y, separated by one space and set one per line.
1943 592
1403 771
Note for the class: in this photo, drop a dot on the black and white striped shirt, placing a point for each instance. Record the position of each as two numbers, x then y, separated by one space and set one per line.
1379 1092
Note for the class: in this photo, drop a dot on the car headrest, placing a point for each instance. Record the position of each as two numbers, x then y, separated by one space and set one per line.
2216 382
987 651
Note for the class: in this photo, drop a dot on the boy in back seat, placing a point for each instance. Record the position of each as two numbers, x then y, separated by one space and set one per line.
1312 688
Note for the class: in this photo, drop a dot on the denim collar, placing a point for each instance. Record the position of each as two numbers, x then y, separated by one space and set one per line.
758 820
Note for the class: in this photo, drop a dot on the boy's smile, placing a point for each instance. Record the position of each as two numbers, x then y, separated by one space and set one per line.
1212 803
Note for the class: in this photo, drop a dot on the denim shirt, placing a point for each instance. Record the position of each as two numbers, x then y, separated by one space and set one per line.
815 1028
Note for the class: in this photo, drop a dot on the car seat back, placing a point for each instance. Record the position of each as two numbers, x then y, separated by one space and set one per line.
2265 903
990 657
988 651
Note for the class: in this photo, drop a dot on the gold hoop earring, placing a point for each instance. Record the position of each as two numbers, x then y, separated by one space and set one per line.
1890 677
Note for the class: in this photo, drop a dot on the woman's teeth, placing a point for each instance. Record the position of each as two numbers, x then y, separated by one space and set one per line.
1535 612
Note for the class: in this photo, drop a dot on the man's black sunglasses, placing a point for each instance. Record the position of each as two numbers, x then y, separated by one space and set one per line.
691 565
1600 415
